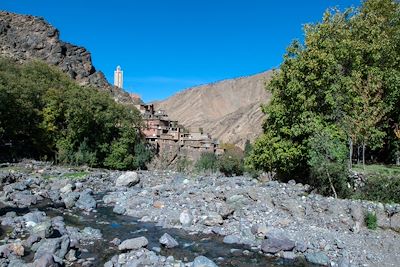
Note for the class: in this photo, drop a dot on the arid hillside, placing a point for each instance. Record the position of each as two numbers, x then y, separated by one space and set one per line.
229 110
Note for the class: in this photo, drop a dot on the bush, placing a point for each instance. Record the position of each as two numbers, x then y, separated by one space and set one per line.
183 164
371 221
207 162
380 188
232 161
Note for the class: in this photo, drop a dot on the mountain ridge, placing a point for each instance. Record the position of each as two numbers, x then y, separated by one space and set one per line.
229 109
27 37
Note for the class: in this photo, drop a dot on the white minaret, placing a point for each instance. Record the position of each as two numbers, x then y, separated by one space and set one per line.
118 77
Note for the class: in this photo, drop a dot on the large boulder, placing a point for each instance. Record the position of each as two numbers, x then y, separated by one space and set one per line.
134 243
127 179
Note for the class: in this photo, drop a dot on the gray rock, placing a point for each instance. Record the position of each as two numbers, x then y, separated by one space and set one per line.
46 260
186 218
301 247
276 244
70 199
56 246
42 230
318 258
202 261
259 230
344 262
395 222
67 189
127 179
289 255
86 202
119 209
133 243
168 241
213 219
231 239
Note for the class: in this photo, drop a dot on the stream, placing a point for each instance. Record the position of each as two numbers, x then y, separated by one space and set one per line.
124 227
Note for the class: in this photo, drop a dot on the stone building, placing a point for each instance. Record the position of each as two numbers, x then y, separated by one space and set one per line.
172 140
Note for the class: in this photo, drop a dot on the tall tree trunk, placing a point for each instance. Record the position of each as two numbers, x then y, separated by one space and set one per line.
398 158
363 154
358 154
350 153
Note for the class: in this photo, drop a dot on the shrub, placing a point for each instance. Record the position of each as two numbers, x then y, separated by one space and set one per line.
207 162
371 221
232 161
380 188
183 164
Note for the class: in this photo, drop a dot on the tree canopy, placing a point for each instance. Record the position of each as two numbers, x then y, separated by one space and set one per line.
44 114
345 77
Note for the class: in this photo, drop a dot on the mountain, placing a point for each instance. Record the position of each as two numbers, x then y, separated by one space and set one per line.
229 110
24 37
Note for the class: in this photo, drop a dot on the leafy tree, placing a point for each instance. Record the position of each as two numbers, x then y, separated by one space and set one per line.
43 113
345 76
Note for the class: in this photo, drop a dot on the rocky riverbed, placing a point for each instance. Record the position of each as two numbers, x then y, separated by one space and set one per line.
56 216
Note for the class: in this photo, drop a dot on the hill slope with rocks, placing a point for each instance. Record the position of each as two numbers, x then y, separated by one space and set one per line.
229 110
24 37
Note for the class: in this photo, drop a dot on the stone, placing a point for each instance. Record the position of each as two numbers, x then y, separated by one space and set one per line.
168 241
395 222
42 230
289 255
119 209
213 219
275 244
70 199
86 202
344 262
158 204
71 255
66 189
55 246
134 243
186 218
231 239
202 261
259 230
32 239
317 258
17 248
46 260
127 179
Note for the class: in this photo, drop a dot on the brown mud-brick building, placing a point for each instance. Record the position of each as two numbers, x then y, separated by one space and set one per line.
170 138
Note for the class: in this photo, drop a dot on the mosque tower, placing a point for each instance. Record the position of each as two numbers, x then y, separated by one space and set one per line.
118 77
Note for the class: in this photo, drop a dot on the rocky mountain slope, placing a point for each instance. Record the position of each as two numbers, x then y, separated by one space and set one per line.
229 110
24 37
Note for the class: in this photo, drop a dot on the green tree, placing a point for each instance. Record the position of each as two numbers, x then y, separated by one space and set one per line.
346 75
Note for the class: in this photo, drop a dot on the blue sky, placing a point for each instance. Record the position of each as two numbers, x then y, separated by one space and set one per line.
164 46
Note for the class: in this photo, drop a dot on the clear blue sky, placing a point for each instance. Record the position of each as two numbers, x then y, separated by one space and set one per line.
164 46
